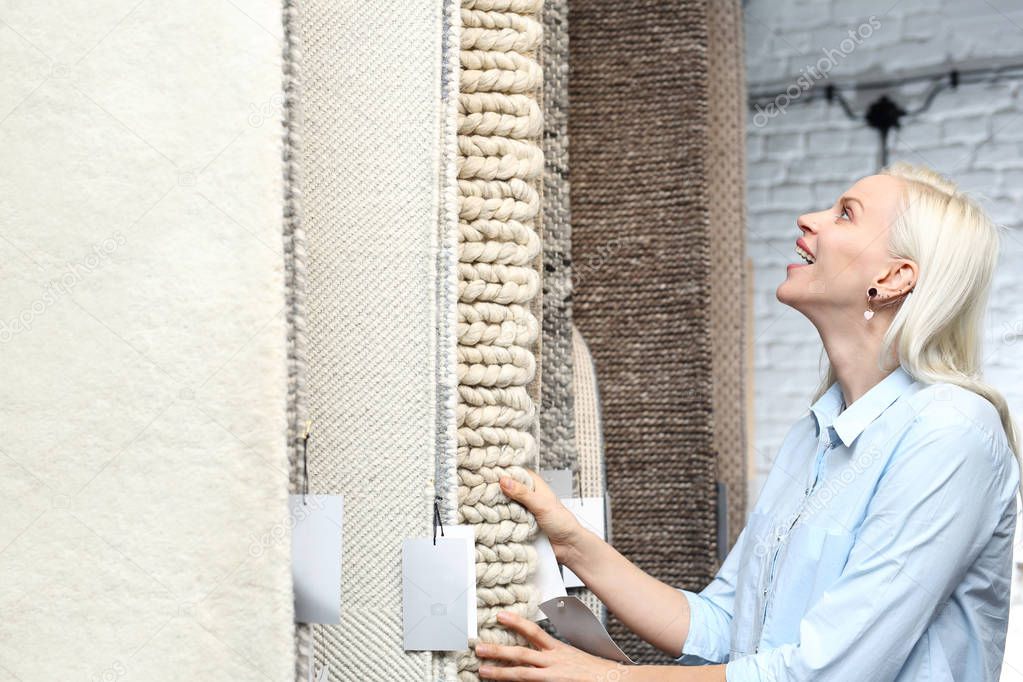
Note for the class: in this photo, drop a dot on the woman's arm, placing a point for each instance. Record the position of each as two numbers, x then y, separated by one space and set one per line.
677 673
663 615
656 612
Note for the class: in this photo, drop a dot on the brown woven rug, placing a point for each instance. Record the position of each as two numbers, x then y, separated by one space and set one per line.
642 276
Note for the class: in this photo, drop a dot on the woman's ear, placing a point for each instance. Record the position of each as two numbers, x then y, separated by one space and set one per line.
908 272
897 279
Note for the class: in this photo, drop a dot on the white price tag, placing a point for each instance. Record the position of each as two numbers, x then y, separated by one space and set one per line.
316 545
439 590
547 577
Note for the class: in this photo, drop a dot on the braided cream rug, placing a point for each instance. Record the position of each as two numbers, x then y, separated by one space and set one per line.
499 179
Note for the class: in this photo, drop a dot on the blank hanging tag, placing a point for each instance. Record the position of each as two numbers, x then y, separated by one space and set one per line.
591 514
559 480
547 577
435 593
316 548
469 533
581 629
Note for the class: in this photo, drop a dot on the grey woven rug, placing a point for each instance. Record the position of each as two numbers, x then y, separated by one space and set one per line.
557 427
559 448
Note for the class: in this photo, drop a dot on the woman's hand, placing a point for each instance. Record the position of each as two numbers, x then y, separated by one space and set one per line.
561 526
551 661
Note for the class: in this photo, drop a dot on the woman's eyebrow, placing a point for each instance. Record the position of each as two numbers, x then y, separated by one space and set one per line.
848 198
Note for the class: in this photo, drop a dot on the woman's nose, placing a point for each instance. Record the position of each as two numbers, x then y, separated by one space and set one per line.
809 221
803 222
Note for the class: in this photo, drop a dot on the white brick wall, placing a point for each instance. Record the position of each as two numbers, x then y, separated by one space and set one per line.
803 158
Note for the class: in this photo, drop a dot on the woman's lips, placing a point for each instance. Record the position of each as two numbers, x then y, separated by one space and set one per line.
802 244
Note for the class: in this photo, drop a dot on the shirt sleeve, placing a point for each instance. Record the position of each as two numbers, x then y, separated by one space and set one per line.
934 508
710 613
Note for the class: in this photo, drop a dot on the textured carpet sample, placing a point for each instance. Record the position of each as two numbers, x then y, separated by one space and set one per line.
641 276
726 197
143 467
499 178
589 440
558 447
373 127
295 284
589 424
557 430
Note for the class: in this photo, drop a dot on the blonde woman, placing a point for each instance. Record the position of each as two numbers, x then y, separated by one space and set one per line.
880 547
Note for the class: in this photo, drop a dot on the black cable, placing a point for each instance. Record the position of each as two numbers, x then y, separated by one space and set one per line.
991 74
883 114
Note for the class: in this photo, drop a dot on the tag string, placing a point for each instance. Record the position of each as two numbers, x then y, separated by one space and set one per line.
436 518
305 461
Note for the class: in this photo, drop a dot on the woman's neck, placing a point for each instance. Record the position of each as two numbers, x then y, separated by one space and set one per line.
852 352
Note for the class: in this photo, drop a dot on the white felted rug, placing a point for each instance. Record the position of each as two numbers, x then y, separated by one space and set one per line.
143 470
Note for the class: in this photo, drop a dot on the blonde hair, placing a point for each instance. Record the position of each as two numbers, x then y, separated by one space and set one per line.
937 331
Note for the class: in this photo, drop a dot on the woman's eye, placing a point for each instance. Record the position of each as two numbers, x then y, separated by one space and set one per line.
844 213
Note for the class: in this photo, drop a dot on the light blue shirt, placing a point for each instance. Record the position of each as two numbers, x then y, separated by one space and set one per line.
880 547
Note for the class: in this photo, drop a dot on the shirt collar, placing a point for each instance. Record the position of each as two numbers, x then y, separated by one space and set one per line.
865 409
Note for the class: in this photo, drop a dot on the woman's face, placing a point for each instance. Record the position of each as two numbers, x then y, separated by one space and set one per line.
848 244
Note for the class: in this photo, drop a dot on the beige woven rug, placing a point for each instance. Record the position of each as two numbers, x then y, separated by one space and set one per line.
374 217
589 440
726 197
